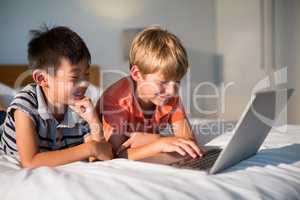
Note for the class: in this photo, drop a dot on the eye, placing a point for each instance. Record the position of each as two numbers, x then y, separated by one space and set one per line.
74 77
164 82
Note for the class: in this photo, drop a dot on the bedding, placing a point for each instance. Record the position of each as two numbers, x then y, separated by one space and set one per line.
273 173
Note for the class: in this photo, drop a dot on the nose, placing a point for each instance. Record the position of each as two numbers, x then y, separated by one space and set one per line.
80 88
82 84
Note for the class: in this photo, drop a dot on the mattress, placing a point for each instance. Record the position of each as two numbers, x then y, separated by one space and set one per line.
273 173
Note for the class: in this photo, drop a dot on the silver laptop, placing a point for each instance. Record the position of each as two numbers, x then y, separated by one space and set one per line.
249 134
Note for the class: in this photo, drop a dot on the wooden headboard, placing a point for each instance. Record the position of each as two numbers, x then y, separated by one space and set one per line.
10 73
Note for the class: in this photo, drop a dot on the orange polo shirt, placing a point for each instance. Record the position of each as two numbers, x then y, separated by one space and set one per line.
121 114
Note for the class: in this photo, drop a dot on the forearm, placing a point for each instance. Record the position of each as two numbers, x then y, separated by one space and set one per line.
142 152
96 129
138 139
182 129
185 135
59 157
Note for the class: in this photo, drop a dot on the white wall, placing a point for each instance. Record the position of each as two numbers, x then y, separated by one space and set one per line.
287 49
240 30
216 33
239 43
100 23
290 45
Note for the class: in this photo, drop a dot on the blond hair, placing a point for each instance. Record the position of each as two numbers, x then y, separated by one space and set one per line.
157 50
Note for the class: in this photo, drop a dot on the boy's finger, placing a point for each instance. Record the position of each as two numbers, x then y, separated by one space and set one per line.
74 108
179 150
127 144
187 149
92 159
83 109
192 145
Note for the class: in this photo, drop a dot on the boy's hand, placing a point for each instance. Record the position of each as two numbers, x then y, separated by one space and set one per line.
85 109
140 139
179 145
101 150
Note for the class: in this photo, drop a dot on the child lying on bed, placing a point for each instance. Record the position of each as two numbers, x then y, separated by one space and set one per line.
47 121
134 109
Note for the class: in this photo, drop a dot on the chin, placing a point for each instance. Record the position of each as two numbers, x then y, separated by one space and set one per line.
159 102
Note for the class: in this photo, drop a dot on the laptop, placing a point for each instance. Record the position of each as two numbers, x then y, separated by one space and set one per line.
248 135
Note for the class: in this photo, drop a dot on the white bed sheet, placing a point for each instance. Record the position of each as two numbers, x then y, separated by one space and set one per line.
274 173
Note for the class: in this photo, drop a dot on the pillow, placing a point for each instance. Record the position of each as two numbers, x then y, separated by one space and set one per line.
93 92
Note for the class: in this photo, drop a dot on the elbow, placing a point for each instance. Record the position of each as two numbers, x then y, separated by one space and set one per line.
121 154
28 165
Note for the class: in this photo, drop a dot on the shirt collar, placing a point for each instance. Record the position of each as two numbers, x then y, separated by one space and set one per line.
70 117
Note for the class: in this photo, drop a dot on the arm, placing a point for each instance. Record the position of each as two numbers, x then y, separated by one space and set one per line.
143 145
163 145
140 145
29 152
182 129
86 110
138 139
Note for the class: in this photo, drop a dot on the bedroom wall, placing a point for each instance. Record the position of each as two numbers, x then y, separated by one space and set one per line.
288 50
101 22
223 39
238 40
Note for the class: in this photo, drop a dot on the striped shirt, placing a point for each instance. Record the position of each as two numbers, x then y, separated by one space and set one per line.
51 134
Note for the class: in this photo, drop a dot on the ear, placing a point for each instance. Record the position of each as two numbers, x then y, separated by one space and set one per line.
135 73
40 77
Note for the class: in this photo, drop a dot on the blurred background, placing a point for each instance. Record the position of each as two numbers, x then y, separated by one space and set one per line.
235 47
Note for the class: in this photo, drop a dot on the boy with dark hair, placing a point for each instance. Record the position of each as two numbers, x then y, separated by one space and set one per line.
47 121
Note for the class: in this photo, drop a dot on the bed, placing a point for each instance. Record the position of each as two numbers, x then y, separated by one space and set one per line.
273 173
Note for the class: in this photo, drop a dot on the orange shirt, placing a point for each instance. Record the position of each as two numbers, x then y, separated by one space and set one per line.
121 114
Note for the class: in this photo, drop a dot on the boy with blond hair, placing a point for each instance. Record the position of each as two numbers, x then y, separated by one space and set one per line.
134 109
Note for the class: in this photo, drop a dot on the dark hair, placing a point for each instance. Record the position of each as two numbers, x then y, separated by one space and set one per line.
48 46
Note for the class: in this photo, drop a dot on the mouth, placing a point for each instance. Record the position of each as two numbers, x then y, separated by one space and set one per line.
164 97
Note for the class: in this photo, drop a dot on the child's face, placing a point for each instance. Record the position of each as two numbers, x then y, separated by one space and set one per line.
69 83
156 89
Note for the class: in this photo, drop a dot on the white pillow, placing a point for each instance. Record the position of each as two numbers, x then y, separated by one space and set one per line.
93 92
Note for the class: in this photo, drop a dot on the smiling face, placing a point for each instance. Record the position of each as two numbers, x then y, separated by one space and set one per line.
66 84
154 88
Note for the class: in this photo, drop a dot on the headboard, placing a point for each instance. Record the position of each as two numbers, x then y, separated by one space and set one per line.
10 73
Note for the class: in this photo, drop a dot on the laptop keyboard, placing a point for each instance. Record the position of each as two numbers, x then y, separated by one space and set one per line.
204 162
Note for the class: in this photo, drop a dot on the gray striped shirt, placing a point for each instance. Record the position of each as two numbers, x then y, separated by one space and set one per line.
51 134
